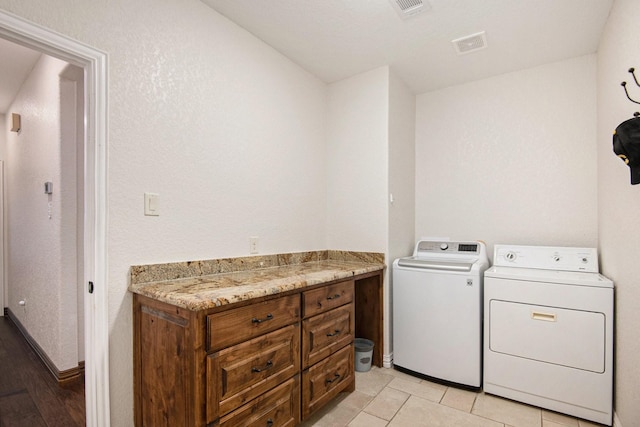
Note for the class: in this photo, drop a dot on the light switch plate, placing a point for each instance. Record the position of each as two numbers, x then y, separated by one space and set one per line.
151 204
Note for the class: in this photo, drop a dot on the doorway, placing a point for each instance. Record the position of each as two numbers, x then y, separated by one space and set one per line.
94 256
44 210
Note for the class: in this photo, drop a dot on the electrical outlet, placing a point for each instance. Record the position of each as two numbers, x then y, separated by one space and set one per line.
253 245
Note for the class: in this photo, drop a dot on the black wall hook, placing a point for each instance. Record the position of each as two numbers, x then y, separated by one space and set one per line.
624 85
632 71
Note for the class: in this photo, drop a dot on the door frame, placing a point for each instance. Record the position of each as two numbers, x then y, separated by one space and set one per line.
96 319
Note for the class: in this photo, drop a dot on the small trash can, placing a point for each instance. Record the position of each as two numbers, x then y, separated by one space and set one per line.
364 353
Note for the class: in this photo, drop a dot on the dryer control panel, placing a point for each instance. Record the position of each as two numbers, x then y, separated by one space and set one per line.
546 257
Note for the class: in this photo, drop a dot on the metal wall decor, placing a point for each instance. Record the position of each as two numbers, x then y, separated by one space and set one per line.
632 71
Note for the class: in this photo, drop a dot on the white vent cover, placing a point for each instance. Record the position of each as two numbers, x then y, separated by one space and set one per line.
470 43
409 8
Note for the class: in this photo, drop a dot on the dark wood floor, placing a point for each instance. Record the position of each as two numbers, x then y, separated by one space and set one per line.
29 394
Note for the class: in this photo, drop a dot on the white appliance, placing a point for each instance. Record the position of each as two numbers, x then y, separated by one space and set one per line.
437 311
548 330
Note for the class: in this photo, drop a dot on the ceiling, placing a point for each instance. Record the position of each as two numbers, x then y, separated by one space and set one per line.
16 63
336 39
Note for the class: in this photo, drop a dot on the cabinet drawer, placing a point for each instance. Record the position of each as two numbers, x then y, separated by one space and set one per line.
326 379
327 297
240 324
326 333
278 408
243 372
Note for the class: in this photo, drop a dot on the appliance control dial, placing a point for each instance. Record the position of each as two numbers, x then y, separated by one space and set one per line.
510 256
556 258
444 246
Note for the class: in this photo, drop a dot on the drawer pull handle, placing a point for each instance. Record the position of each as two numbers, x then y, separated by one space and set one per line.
334 333
269 422
258 321
330 380
330 297
269 365
547 317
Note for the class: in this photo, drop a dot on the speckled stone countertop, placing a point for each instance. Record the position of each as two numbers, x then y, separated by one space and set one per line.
200 285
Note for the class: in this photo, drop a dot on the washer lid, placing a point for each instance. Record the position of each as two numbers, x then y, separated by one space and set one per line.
549 276
432 264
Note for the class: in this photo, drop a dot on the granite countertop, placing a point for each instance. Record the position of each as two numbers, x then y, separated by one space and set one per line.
201 292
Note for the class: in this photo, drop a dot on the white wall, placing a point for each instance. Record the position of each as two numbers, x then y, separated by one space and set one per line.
4 128
619 201
72 167
402 125
229 132
357 162
40 260
510 159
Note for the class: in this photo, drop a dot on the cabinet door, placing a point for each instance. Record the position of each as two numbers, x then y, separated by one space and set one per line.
327 297
324 380
326 333
238 374
164 368
278 408
240 324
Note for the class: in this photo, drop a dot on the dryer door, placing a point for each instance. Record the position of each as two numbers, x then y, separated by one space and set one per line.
566 337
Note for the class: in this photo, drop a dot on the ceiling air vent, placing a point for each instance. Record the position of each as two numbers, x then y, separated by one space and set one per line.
409 8
470 43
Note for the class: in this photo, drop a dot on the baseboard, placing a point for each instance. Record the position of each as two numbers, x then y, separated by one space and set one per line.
387 360
616 420
63 377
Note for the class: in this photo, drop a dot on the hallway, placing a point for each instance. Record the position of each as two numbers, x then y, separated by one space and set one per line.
29 395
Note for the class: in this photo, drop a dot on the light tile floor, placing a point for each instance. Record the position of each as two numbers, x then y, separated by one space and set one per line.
386 397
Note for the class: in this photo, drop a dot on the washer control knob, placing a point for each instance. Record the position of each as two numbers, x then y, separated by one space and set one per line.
585 260
444 246
556 258
510 256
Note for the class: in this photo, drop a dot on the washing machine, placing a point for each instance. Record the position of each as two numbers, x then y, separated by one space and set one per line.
437 311
548 330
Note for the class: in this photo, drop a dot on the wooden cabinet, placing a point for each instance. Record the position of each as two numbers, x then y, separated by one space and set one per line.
324 334
271 361
327 297
327 344
278 408
240 324
324 380
238 374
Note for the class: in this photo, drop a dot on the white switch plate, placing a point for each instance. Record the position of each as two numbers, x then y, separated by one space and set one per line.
253 245
151 204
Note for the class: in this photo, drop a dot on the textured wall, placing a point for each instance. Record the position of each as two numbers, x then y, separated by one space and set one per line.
402 125
39 261
4 128
228 132
357 162
3 156
619 202
510 159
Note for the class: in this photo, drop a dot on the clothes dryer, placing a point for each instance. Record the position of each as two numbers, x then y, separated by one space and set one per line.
548 330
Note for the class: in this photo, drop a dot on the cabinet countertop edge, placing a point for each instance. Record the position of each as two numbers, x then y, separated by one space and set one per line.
205 292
